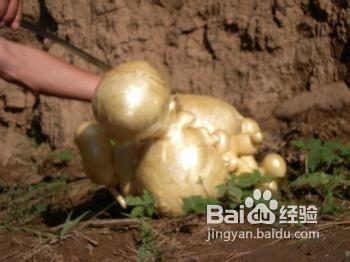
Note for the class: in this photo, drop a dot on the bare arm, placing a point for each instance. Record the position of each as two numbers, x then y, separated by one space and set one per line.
45 73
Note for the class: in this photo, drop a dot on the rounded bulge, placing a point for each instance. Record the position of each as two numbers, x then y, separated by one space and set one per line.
272 166
231 133
179 165
217 120
96 154
132 102
211 113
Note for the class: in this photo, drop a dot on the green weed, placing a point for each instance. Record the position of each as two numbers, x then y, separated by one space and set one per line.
326 176
231 193
112 142
197 204
70 223
236 188
64 156
148 250
142 206
22 204
326 172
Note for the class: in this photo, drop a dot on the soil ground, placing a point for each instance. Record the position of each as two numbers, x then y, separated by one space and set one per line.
106 235
180 240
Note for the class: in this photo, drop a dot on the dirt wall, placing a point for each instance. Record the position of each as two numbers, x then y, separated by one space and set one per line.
254 54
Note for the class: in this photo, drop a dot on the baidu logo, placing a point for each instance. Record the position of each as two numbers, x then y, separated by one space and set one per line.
263 209
262 213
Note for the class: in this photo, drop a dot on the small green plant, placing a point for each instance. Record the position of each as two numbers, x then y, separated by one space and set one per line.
64 156
142 206
237 188
326 171
70 223
112 142
323 156
326 176
22 204
197 204
231 193
148 250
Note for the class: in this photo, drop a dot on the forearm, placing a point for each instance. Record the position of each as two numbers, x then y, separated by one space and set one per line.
45 73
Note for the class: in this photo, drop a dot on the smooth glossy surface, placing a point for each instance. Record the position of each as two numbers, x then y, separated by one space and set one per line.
174 146
132 102
211 113
180 165
96 153
274 165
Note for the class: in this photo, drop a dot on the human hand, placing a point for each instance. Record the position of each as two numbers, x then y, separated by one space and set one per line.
10 13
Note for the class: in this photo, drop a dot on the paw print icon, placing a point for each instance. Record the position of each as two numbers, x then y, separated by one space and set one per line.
261 213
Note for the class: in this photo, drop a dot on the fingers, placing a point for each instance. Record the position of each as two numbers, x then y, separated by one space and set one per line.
16 23
3 9
13 10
